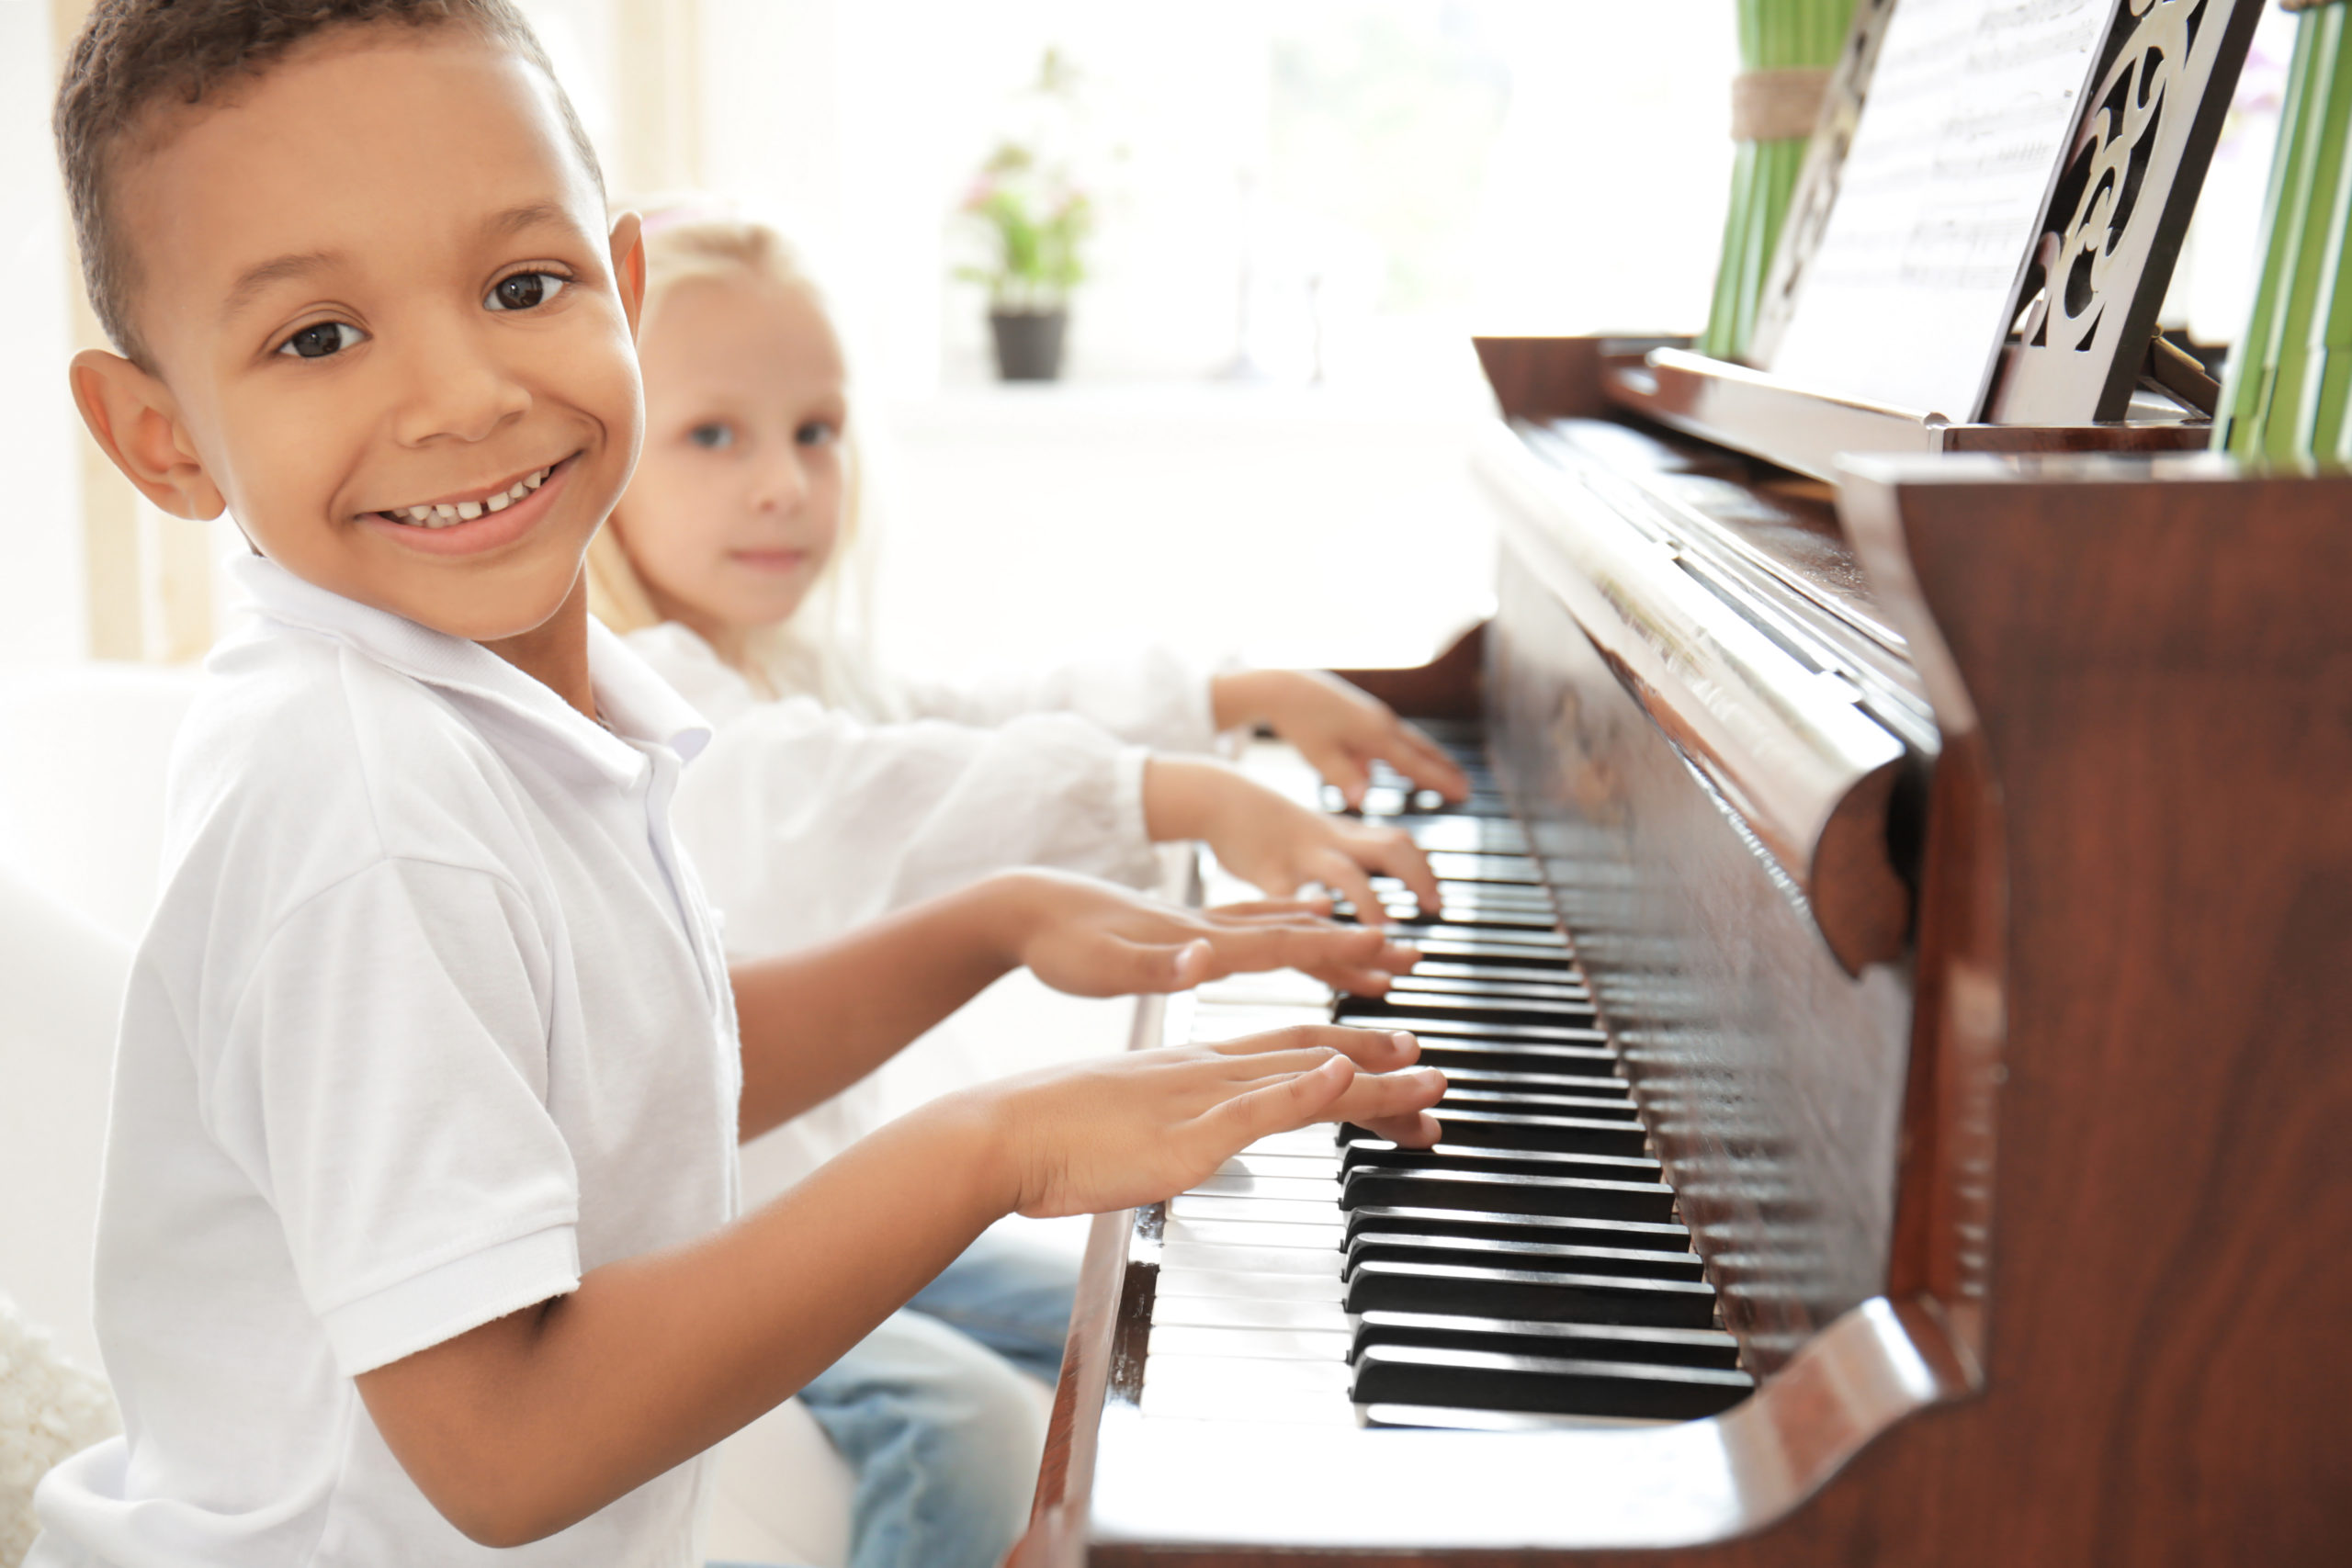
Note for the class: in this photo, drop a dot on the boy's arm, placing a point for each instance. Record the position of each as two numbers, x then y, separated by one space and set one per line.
527 1425
814 1021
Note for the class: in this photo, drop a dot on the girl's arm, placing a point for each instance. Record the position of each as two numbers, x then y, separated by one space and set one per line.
527 1425
816 1020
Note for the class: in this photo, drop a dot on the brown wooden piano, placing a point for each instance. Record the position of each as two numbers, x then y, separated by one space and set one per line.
1896 983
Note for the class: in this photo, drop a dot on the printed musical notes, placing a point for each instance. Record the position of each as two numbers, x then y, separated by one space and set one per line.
1969 117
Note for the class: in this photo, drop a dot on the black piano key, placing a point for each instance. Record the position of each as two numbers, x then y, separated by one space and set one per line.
1437 971
1557 993
1521 1102
1517 1130
1580 1341
1414 1374
1407 1005
1371 1149
1538 1294
1489 1252
1506 1192
1574 1230
1570 1061
1445 947
1508 1033
1616 1090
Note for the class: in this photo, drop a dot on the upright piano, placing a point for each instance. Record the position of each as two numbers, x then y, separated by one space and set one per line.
1895 979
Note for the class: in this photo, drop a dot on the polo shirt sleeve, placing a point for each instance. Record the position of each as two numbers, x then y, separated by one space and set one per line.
384 1082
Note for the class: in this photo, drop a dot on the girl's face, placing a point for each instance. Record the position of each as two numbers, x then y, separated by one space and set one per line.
737 501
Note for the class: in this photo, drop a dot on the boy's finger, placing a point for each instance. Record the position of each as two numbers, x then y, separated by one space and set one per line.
1375 1050
1413 1130
1398 1100
1428 766
1402 859
1341 768
1336 869
1277 1107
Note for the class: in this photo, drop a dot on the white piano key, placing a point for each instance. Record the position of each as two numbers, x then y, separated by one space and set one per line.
1305 1189
1270 1210
1323 1166
1276 987
1240 1285
1220 1312
1245 1233
1318 1139
1248 1344
1316 1261
1204 1388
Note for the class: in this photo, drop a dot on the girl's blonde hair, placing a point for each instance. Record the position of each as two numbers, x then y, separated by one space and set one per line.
687 238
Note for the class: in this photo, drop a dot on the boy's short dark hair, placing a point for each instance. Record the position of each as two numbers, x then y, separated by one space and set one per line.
132 55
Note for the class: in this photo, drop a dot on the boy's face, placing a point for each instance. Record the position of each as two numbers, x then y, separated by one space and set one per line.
737 502
378 280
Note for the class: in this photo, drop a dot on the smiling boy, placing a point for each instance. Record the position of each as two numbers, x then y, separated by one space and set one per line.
419 1232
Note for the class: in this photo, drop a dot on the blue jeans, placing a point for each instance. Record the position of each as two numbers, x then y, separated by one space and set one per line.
931 1414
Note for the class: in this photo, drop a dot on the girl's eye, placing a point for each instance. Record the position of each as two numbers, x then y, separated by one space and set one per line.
525 292
815 432
321 339
712 437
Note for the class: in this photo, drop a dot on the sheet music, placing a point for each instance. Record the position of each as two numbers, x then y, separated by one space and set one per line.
1969 117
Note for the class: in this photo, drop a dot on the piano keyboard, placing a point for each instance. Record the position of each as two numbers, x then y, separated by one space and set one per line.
1530 1269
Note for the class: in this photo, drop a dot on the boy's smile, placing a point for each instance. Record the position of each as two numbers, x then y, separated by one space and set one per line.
389 332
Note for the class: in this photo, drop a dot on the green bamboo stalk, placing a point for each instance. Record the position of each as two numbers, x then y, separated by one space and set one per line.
1773 35
2245 393
2289 391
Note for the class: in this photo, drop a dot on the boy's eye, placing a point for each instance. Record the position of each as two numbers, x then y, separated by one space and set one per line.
712 437
321 339
815 432
525 292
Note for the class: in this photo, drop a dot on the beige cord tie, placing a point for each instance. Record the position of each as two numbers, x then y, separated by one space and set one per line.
1778 104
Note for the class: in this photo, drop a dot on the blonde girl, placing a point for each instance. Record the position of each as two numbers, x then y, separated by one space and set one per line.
834 792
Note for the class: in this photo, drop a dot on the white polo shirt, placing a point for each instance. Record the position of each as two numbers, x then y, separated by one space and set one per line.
431 1017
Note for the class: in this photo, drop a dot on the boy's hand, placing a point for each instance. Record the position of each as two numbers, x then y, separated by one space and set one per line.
1337 727
1091 939
1123 1131
1277 844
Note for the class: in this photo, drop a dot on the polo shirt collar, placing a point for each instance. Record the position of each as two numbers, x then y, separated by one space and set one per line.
637 703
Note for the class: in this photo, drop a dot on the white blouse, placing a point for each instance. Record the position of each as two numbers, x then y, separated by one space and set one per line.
806 820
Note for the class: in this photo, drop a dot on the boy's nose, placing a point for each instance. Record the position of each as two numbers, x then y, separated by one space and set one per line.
457 389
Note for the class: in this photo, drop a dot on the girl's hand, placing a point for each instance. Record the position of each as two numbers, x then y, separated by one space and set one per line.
1090 939
1337 727
1118 1132
1278 845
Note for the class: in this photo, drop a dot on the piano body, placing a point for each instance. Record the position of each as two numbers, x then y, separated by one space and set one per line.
1894 979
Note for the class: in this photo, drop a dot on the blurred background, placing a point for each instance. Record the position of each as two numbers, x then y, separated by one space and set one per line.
1294 213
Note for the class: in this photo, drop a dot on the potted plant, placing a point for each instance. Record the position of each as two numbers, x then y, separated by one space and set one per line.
1031 218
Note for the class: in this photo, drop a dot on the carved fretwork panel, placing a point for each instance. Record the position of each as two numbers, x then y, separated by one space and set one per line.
2116 220
1816 191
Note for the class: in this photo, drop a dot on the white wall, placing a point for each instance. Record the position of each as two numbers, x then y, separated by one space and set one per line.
41 594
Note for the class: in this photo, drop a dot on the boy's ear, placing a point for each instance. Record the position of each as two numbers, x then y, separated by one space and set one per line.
132 417
629 266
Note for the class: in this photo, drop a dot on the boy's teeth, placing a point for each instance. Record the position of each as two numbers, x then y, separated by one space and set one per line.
442 516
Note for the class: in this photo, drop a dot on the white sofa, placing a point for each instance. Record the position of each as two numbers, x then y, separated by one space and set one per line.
82 757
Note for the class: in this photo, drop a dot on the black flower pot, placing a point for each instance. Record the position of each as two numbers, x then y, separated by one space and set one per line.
1028 344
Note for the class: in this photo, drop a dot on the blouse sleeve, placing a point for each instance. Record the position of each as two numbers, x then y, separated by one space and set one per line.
804 822
1156 699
